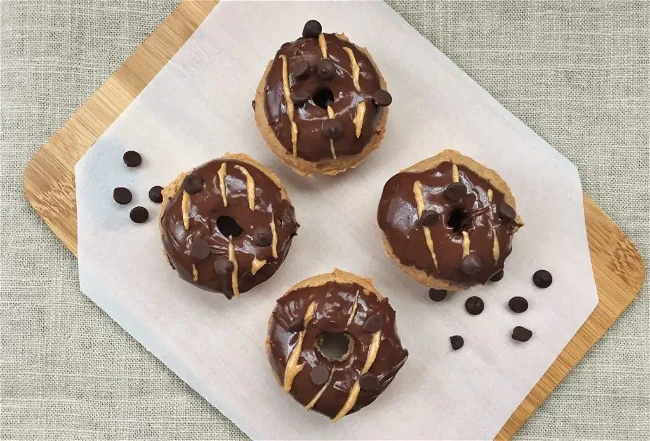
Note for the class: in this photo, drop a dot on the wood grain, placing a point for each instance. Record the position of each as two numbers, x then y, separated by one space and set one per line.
49 187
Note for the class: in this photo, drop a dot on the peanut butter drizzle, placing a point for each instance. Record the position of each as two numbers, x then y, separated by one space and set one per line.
496 252
465 243
185 208
354 311
358 118
195 273
222 183
355 68
233 275
290 108
419 200
274 240
257 265
250 186
490 194
330 115
454 173
314 400
354 392
293 368
323 45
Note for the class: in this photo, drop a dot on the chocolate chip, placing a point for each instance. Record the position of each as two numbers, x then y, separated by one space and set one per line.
223 267
332 129
382 98
312 29
474 305
253 104
521 334
193 183
122 195
299 97
228 294
139 215
155 194
300 70
325 69
518 304
506 212
456 191
497 276
429 218
132 159
297 324
368 382
319 375
470 264
373 323
437 295
457 342
200 249
542 279
262 236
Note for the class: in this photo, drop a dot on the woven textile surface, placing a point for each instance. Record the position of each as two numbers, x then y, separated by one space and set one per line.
576 72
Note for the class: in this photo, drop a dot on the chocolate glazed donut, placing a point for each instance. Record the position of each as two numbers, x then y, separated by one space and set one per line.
227 226
343 309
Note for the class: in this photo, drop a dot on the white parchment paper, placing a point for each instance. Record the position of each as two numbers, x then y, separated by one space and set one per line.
199 107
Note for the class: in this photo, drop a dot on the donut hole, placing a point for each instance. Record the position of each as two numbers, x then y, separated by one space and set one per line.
459 220
323 97
229 226
335 346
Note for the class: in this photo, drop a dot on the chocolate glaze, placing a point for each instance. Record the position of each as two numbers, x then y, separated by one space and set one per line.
397 217
207 206
312 144
335 303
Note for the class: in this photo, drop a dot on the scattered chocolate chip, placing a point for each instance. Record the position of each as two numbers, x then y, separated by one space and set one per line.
518 304
253 104
382 98
506 212
542 279
223 267
332 129
228 294
325 69
139 215
297 324
470 264
437 295
122 195
319 375
429 218
521 334
155 194
456 191
373 323
312 29
299 97
132 159
497 276
262 236
300 70
368 382
193 183
457 342
200 249
474 305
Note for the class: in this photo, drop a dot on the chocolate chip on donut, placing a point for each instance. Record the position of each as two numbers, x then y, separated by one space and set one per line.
345 350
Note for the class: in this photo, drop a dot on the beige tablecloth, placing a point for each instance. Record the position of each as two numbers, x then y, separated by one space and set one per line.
577 72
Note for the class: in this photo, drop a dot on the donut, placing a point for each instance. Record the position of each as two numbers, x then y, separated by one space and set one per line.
227 225
321 103
333 344
448 221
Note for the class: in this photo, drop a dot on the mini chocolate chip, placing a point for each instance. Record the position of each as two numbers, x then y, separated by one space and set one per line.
297 324
139 215
474 305
332 129
542 279
193 183
368 382
497 276
299 97
521 334
300 70
312 29
470 264
429 218
373 323
456 191
382 98
122 195
518 304
228 294
132 159
262 236
437 295
200 249
457 342
325 69
223 267
253 104
506 212
155 194
319 375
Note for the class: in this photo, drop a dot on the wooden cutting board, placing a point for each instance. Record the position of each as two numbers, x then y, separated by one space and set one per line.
49 186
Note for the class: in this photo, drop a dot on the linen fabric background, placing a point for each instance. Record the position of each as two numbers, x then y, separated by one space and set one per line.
576 72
